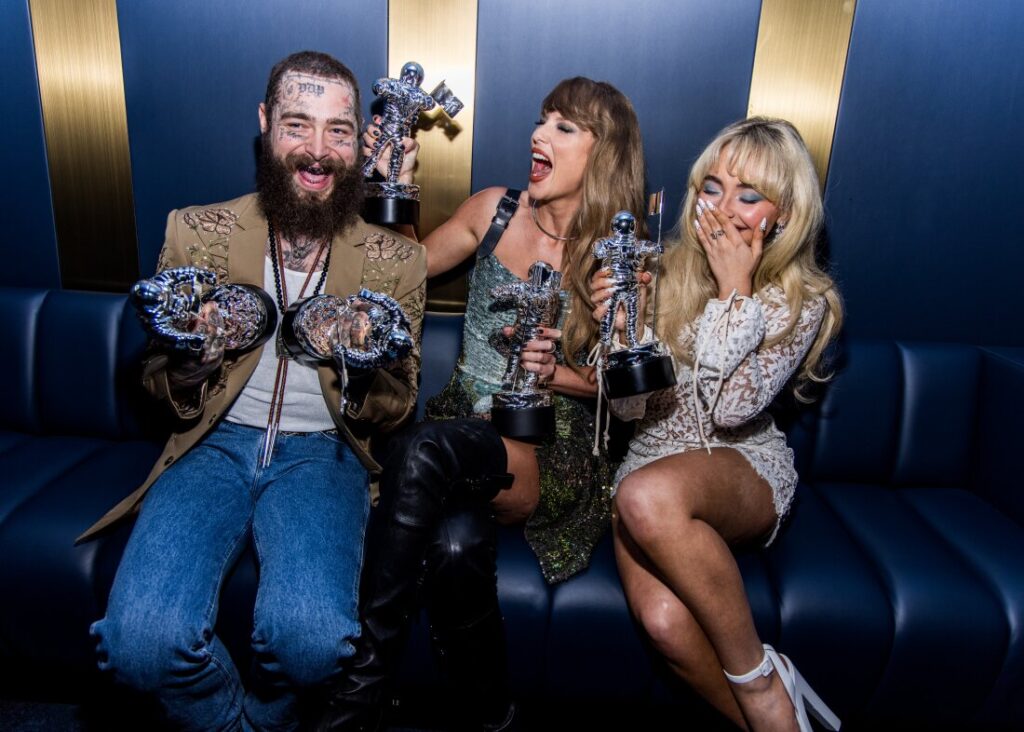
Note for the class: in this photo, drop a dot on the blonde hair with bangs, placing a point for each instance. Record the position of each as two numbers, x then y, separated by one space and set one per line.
769 155
613 181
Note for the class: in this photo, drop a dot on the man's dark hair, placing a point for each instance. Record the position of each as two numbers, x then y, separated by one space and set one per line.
315 64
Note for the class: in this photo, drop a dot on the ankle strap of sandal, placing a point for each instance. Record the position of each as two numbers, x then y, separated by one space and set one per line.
764 668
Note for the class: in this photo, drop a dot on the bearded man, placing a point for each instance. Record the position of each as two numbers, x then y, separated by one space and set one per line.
301 498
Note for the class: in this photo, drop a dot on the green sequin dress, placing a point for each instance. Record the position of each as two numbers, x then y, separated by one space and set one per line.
575 486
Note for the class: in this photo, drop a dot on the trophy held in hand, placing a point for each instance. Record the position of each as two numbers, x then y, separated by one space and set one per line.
638 366
388 201
523 409
362 332
172 306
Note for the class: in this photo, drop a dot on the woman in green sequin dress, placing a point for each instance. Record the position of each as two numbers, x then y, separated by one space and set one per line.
586 165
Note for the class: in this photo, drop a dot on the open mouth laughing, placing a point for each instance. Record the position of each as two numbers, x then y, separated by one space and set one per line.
313 177
540 167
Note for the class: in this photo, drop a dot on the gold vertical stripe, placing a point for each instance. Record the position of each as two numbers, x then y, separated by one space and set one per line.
440 35
81 87
799 66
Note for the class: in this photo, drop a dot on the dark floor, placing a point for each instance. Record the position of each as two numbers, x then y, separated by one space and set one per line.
18 716
40 717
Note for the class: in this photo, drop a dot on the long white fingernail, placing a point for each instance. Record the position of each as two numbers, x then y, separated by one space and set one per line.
711 205
764 224
700 207
697 224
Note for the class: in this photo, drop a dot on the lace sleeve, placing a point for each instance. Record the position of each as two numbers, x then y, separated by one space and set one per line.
737 377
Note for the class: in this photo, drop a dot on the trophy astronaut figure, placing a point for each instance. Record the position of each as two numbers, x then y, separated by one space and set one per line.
388 201
623 255
523 408
640 367
403 102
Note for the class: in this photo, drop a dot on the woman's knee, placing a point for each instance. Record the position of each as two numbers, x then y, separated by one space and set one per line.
645 509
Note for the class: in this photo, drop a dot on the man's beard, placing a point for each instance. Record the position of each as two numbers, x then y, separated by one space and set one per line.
297 215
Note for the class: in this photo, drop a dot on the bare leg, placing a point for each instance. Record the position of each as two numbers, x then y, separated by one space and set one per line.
672 629
515 505
683 511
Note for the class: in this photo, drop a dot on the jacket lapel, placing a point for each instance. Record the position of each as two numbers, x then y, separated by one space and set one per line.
246 252
345 273
247 248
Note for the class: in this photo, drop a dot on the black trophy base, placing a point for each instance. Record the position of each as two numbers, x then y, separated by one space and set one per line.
529 424
628 375
391 211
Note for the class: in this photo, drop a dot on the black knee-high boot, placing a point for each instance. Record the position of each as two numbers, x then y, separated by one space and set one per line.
466 625
430 464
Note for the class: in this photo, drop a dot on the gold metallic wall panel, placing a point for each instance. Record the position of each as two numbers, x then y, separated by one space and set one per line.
441 36
81 86
799 66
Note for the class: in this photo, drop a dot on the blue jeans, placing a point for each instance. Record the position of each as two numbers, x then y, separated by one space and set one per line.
306 514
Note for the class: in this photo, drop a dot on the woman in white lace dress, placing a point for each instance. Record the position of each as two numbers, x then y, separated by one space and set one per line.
746 311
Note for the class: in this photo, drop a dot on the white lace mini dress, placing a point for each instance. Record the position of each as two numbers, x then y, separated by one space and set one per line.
721 402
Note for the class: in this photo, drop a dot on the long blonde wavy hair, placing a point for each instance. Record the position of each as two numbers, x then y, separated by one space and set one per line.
613 181
769 155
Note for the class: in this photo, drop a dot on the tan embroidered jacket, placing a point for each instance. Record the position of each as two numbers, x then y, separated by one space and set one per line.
231 239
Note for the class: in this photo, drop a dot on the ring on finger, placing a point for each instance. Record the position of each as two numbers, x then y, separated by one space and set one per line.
717 233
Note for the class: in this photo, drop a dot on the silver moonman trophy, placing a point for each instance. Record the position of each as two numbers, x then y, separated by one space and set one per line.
639 367
361 332
388 201
170 302
523 409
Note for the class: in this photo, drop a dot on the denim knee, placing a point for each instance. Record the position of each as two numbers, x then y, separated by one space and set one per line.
302 648
149 653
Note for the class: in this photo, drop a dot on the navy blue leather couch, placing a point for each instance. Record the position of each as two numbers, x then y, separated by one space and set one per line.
897 586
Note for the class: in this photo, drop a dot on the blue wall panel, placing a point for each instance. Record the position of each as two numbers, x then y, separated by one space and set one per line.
924 192
685 64
195 72
29 247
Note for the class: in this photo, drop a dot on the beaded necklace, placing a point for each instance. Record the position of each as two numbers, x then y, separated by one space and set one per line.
281 291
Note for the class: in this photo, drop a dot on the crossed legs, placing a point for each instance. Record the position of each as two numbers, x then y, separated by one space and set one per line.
675 521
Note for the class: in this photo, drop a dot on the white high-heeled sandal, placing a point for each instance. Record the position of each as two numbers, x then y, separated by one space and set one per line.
800 692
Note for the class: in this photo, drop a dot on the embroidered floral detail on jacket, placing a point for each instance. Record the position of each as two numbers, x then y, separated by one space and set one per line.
211 252
220 220
381 246
384 263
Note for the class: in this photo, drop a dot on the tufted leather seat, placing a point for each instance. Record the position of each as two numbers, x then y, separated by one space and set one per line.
897 585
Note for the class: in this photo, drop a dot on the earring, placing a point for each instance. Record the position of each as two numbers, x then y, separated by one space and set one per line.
778 229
